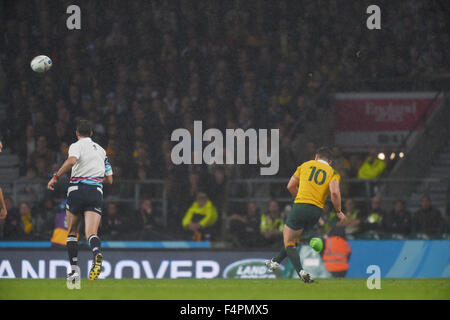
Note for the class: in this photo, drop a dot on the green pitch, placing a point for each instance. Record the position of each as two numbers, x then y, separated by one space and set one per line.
225 289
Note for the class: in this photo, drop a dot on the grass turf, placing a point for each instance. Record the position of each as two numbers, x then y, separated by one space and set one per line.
225 289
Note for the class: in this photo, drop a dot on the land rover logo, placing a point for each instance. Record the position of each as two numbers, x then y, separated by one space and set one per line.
250 268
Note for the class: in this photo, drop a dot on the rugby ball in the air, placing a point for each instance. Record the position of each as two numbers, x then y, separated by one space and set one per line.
316 244
41 64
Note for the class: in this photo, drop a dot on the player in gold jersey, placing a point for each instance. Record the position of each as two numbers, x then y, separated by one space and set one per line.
311 184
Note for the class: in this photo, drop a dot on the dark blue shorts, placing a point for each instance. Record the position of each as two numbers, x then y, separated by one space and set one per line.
82 197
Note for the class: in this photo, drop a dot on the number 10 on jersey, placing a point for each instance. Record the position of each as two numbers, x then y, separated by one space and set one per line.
316 174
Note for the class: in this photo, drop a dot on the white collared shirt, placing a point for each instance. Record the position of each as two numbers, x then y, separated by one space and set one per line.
92 161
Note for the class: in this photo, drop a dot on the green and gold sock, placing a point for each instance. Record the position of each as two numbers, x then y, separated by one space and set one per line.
281 256
294 257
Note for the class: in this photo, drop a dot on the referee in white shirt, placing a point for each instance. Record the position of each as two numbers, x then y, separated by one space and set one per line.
90 168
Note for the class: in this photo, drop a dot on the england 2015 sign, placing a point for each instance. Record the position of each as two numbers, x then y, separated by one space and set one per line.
365 120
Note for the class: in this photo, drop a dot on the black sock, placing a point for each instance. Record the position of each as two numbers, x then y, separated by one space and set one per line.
72 249
281 256
95 244
294 257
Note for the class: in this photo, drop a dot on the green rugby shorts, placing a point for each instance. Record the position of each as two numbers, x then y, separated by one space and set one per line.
303 216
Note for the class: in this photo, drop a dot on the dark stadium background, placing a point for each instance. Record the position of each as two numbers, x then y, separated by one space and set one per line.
141 69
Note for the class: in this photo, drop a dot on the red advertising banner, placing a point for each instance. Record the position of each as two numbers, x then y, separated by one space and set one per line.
380 119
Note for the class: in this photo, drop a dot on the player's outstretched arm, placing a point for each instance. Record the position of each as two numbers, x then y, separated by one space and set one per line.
293 185
335 195
3 211
67 165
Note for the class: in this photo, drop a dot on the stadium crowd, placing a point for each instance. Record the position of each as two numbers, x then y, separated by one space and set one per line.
139 70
